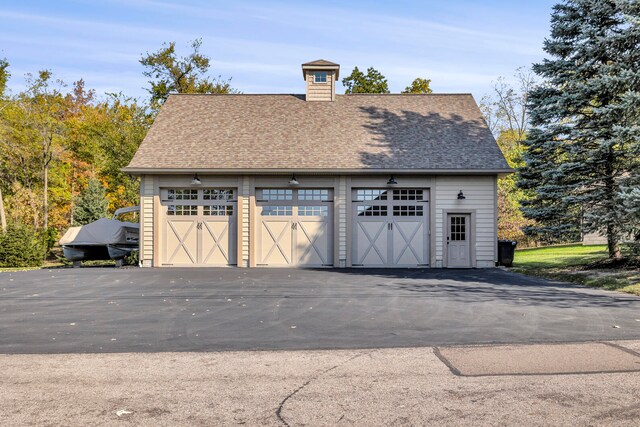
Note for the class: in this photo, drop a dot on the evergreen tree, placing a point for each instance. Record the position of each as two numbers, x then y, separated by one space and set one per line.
579 153
91 204
21 246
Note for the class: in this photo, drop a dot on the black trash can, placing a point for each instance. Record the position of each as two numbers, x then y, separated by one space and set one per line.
506 252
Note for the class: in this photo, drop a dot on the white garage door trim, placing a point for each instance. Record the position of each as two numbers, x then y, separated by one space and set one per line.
295 227
390 227
199 226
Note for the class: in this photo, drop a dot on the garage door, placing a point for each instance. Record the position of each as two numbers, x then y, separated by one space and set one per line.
200 226
390 227
295 227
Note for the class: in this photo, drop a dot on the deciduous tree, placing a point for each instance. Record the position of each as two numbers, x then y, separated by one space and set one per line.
372 82
419 85
4 78
45 110
169 73
506 114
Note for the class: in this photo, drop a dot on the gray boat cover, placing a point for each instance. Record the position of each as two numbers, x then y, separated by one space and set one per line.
101 232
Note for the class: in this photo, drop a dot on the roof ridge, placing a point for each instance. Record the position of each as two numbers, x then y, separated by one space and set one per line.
338 94
407 94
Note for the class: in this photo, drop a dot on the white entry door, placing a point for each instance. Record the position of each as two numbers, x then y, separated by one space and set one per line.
295 227
390 227
200 227
458 241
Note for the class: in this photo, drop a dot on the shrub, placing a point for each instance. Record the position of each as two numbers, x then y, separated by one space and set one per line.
50 237
21 246
631 249
132 259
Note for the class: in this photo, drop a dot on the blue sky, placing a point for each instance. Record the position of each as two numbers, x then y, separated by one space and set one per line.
462 45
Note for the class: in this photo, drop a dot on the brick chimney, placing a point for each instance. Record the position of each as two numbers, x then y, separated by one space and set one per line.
320 77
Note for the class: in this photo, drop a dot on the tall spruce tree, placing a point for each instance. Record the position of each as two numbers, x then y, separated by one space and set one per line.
91 204
580 153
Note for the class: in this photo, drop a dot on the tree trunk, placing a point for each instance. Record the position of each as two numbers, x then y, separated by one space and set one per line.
3 218
72 204
45 205
613 227
613 243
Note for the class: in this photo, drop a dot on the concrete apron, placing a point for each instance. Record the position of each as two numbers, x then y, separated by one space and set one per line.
539 359
406 386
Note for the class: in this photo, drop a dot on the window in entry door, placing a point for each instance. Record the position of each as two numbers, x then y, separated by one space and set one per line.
458 228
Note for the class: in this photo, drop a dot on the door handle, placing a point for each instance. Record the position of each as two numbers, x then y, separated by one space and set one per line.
294 225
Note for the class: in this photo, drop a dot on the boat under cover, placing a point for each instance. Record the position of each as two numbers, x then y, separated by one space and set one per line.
100 240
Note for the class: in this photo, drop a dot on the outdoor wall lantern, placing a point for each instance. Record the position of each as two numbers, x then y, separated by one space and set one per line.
392 181
196 180
293 180
461 195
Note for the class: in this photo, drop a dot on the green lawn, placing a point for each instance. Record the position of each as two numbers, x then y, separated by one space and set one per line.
565 262
559 256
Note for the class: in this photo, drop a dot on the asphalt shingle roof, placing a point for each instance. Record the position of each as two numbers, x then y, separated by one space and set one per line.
320 62
285 132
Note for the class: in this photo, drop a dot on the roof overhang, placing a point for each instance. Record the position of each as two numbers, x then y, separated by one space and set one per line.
268 171
335 68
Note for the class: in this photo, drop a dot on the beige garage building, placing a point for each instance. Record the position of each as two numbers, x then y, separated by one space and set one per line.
319 180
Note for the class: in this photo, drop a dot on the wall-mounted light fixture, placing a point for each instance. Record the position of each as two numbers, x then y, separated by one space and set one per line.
392 181
293 180
196 180
461 195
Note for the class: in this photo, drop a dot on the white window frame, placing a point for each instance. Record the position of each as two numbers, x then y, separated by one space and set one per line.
316 75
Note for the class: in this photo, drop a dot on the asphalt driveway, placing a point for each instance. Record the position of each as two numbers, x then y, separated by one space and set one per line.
144 310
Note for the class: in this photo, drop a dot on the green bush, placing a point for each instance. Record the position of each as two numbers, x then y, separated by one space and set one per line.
21 246
51 237
132 259
631 249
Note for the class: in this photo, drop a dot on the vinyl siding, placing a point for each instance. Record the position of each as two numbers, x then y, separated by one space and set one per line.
594 239
443 190
146 220
320 91
480 199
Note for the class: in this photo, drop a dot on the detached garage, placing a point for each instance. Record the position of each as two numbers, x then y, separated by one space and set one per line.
319 180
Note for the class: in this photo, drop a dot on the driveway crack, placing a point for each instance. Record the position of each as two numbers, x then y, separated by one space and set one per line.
309 381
